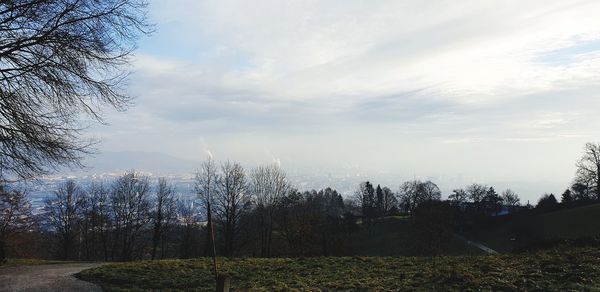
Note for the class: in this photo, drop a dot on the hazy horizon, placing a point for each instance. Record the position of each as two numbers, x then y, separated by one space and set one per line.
480 91
103 166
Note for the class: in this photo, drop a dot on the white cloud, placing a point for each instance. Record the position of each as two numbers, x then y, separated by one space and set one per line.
318 80
476 51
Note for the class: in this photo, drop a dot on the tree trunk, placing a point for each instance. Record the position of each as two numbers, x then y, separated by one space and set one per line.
325 248
155 239
597 181
2 252
269 238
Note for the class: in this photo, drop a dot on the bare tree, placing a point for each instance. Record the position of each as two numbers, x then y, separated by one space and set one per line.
63 216
476 193
458 197
429 191
413 193
131 205
97 221
407 193
188 215
206 184
231 202
164 213
268 185
390 202
588 167
15 215
88 222
510 199
60 60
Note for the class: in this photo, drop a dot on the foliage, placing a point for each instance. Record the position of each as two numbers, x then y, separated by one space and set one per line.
311 224
547 202
567 197
492 202
366 198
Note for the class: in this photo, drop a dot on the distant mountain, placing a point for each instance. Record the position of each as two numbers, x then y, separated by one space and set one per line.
154 162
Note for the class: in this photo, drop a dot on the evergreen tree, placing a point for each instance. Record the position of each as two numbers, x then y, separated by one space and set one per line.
379 212
567 197
547 202
492 201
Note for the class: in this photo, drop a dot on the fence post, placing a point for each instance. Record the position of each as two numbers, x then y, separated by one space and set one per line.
223 283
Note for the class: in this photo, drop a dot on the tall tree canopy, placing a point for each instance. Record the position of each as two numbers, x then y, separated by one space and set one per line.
59 60
588 168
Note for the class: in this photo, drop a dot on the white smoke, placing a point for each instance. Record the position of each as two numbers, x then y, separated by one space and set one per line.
276 161
208 153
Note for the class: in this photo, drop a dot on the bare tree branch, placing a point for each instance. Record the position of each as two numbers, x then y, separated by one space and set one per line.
59 60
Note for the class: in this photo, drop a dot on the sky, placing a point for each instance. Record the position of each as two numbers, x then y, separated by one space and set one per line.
496 92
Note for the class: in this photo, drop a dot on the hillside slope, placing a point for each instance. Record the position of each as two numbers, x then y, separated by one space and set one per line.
395 236
507 234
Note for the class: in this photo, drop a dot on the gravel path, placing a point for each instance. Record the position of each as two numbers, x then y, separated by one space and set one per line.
478 245
57 277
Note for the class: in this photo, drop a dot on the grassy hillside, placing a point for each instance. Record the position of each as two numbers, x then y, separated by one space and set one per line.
517 232
395 236
573 269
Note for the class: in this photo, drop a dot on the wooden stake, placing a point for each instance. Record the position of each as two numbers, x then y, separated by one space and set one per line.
212 241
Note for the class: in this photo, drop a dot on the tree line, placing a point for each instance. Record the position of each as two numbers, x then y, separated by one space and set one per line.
255 213
135 217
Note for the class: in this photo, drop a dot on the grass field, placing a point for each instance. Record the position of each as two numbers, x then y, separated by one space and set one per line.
557 269
527 230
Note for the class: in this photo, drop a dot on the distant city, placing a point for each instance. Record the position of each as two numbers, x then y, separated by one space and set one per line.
345 181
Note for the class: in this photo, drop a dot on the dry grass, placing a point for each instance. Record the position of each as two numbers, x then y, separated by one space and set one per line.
557 269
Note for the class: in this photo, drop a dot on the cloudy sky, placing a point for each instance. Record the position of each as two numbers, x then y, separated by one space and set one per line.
490 91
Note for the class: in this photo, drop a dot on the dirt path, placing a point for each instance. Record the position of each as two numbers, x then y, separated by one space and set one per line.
58 277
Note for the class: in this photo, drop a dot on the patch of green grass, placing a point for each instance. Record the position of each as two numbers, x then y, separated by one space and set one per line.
573 269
